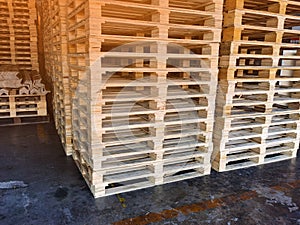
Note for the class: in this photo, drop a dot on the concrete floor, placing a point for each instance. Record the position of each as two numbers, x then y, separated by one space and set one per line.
56 193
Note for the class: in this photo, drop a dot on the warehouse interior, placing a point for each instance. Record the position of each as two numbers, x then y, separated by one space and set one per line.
149 112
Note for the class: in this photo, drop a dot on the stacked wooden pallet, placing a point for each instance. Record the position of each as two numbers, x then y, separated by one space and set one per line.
53 13
22 95
18 34
143 78
257 112
15 105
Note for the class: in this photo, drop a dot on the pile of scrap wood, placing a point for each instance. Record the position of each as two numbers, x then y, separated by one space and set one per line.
26 82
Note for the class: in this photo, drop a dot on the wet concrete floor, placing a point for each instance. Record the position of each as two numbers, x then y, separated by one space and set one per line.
55 193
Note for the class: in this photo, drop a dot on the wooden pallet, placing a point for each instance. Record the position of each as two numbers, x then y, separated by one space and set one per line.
19 34
157 78
128 177
55 44
255 37
257 108
12 106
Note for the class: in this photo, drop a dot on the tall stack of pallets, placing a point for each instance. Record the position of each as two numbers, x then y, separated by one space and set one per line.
22 95
143 77
53 13
18 34
257 109
135 83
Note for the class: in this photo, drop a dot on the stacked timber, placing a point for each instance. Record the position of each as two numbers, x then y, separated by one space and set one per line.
18 34
143 77
257 111
53 13
22 95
